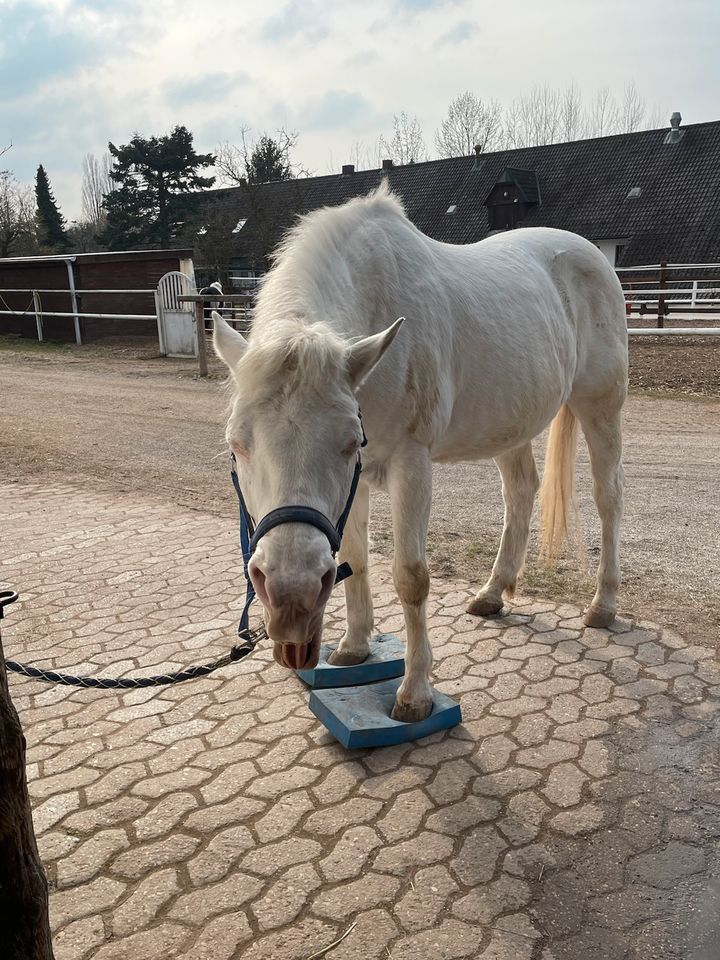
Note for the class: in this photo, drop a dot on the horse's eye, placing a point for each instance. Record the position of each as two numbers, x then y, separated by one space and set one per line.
241 452
351 447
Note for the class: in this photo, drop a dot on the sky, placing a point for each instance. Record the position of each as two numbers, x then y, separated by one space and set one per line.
75 74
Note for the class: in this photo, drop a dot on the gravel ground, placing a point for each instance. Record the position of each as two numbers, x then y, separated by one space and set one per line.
119 417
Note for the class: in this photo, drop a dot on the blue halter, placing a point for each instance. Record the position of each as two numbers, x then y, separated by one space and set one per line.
250 534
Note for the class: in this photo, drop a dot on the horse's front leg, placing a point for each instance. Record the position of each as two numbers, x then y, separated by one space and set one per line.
409 480
355 645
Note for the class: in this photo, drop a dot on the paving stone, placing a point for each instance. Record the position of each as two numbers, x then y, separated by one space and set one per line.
288 895
451 940
84 900
665 867
296 942
508 781
564 785
220 939
458 817
223 850
404 816
350 854
554 751
388 785
422 904
478 855
90 857
272 857
583 819
143 905
420 851
486 902
533 729
364 894
369 938
216 898
78 938
356 810
164 816
523 819
143 859
157 943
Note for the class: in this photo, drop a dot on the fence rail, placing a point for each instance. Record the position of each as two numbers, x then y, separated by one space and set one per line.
672 291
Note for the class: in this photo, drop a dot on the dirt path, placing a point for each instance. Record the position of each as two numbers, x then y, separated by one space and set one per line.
150 425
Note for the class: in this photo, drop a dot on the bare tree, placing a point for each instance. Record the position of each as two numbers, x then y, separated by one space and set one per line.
407 144
536 118
17 216
96 185
632 110
572 119
656 117
602 117
470 122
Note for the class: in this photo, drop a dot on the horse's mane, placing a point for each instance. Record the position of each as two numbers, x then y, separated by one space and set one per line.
311 282
291 352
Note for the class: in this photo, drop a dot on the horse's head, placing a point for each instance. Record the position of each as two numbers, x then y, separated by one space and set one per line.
295 430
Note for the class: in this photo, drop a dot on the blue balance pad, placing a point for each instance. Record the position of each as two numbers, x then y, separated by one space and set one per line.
386 660
360 716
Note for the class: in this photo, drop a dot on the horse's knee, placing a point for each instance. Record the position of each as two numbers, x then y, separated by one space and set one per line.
412 582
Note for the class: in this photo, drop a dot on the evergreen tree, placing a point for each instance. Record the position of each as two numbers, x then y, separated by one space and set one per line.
51 222
268 161
147 173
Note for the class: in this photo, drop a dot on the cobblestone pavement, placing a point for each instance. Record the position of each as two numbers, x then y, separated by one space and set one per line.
575 815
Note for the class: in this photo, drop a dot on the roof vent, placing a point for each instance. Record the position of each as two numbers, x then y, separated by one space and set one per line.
347 169
452 208
634 193
675 134
387 164
238 227
478 162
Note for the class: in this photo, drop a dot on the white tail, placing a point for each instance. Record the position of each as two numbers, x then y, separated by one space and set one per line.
558 508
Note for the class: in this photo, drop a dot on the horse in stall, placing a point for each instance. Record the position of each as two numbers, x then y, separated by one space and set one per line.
497 340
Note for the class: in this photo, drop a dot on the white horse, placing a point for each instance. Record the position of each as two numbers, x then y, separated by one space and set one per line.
500 339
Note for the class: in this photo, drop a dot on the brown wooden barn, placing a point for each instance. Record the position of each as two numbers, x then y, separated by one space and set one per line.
85 283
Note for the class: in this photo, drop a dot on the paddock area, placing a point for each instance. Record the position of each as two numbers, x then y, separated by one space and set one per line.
574 813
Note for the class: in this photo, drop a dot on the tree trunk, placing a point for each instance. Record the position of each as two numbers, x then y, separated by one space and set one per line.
24 923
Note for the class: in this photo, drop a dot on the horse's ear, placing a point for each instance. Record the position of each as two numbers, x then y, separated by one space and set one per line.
362 356
228 343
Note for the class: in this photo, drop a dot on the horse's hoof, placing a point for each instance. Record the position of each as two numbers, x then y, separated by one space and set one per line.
484 607
599 617
411 712
340 658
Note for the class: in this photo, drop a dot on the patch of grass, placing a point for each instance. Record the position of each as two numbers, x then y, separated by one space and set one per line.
13 344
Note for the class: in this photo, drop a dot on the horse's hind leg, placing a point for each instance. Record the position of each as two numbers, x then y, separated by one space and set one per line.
600 421
354 646
519 485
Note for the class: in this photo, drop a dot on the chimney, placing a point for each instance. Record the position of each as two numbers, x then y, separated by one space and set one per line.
387 164
347 169
478 150
675 134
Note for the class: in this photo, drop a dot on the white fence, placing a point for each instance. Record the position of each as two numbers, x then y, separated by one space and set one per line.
663 291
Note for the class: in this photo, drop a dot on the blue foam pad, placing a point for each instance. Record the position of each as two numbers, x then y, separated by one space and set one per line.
360 716
386 660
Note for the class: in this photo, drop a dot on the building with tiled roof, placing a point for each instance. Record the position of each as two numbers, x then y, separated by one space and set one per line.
641 197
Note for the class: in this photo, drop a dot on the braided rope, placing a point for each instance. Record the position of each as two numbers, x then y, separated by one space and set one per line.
237 653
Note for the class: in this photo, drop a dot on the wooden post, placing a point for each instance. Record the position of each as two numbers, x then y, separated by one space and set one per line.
200 328
661 299
24 923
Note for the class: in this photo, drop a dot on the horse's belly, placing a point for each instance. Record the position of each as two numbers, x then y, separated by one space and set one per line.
480 431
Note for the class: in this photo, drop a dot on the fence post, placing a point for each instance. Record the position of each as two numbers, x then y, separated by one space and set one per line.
693 299
38 315
200 330
661 299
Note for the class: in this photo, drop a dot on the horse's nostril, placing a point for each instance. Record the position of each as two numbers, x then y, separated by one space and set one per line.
258 581
327 584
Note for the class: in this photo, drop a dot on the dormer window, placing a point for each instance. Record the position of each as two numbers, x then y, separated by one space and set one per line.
513 196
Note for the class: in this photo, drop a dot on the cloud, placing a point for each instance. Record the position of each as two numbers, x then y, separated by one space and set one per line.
418 6
336 108
205 88
362 58
459 33
33 51
296 19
